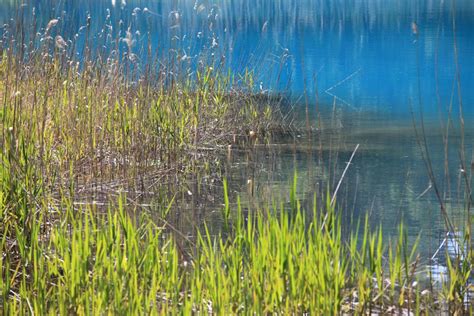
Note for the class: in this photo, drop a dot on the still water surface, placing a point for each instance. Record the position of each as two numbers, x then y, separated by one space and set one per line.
368 62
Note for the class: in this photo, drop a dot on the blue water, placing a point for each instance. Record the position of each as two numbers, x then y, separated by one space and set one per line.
364 54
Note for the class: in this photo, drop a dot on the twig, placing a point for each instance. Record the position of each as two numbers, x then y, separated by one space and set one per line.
333 199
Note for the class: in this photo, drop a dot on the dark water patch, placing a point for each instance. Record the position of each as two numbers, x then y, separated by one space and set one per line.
387 180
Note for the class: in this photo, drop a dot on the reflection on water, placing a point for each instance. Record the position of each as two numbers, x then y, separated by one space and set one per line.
387 178
367 56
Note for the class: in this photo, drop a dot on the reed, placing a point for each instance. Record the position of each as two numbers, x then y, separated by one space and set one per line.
279 259
456 292
90 127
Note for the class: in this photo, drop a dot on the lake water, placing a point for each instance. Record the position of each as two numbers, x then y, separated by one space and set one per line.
368 63
368 54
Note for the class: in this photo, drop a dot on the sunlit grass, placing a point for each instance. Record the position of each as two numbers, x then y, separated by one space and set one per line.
272 260
93 124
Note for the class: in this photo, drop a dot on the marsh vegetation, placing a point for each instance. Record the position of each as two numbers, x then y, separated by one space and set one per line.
109 144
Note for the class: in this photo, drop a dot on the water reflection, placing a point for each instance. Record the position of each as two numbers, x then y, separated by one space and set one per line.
387 179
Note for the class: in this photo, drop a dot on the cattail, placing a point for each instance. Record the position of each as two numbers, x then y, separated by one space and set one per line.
51 24
60 42
250 187
229 153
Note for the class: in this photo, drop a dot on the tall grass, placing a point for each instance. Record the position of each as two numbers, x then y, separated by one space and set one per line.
273 260
457 290
92 121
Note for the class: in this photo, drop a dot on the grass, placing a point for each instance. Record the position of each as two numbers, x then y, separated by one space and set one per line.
273 260
90 124
104 132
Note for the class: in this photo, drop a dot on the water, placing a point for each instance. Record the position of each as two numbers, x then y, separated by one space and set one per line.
370 62
363 53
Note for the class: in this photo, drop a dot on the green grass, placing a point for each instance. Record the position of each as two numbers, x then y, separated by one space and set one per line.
79 126
273 260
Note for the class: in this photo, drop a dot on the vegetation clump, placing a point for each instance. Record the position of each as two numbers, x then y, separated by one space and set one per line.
284 261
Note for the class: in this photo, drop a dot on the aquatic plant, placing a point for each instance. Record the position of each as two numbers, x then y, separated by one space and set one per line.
94 127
